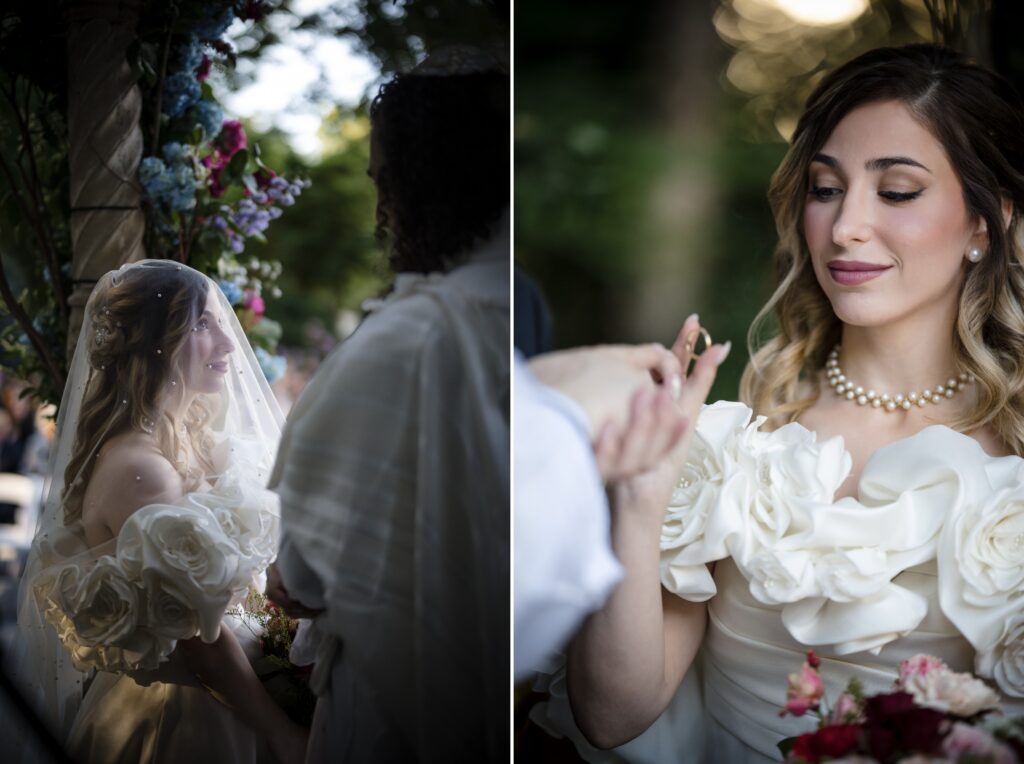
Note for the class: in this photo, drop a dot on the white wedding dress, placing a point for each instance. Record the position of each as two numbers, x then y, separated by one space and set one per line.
98 626
928 559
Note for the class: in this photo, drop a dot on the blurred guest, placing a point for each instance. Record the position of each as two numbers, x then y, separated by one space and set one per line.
393 469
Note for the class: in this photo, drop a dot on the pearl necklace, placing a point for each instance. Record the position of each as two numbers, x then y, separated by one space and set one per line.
853 392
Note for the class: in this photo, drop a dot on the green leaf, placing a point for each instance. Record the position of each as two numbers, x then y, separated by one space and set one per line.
785 746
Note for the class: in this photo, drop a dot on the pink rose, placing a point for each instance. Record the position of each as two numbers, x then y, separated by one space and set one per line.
804 691
964 740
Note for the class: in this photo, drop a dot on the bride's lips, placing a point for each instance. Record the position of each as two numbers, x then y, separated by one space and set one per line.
853 272
220 366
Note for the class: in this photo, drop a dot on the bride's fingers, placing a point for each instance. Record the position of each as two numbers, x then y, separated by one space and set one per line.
698 384
656 358
686 341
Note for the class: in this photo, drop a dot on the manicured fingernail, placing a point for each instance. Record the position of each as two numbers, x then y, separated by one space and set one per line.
724 352
675 386
692 317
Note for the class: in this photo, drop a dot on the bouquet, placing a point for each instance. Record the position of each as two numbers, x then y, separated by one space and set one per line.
275 631
933 714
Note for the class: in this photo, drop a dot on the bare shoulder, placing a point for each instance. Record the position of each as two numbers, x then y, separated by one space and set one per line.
131 473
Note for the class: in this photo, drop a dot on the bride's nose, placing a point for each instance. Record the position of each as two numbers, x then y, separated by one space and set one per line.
225 344
853 220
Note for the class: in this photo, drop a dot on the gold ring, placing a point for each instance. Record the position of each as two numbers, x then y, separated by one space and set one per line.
707 341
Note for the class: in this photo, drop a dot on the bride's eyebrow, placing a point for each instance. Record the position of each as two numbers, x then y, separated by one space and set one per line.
872 165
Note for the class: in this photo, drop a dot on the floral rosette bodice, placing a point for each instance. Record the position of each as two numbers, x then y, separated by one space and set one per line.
170 574
767 500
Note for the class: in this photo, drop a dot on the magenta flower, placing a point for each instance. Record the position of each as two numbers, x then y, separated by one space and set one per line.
232 138
203 70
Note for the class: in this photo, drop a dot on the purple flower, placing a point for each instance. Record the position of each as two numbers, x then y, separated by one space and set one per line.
279 183
286 200
260 198
274 212
219 223
237 245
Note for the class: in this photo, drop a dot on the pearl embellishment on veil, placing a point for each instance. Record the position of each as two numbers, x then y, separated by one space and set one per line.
850 390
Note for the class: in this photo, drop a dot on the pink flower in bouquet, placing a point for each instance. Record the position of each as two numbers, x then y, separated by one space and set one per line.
919 665
846 710
978 744
951 692
231 139
804 691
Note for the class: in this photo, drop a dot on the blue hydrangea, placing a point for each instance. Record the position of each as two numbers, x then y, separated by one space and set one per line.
231 291
237 245
209 116
273 366
174 186
214 25
181 90
152 176
174 153
189 56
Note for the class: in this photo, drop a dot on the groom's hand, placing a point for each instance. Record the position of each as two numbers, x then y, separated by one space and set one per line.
603 380
277 594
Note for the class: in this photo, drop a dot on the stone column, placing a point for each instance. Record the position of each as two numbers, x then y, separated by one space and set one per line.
104 108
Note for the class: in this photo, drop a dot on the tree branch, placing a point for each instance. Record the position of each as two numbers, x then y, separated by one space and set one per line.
37 340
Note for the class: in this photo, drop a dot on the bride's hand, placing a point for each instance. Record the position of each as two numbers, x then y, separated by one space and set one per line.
649 491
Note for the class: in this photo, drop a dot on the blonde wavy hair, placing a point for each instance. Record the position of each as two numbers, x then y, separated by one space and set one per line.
979 120
134 313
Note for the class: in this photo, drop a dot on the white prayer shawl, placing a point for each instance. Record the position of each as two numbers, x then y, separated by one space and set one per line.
393 473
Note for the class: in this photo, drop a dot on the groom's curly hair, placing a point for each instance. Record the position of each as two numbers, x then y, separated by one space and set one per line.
978 118
443 180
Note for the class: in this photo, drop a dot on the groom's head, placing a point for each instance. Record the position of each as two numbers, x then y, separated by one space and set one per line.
439 155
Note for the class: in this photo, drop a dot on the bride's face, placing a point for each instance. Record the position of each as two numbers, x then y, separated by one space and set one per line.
205 355
885 219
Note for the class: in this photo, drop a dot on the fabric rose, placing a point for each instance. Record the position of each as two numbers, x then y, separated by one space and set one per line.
950 692
104 605
852 574
185 545
1005 661
989 548
168 611
778 577
687 539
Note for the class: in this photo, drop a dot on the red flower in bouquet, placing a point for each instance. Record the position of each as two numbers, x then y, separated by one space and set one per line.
832 742
895 723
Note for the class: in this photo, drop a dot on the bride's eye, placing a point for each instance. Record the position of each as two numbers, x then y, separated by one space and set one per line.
824 193
900 196
203 325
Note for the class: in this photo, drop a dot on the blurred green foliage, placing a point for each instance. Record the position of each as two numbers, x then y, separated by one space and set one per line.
599 131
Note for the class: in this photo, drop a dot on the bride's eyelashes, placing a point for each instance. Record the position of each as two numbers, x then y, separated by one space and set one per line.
202 325
827 193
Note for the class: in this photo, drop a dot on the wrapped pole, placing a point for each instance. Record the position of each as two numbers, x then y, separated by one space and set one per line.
105 138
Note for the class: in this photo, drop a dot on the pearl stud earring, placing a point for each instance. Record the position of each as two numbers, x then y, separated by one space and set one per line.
974 254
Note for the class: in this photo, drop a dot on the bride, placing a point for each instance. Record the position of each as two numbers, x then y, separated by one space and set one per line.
870 511
156 522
